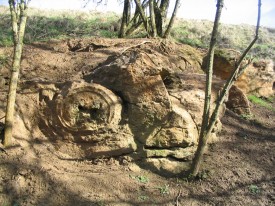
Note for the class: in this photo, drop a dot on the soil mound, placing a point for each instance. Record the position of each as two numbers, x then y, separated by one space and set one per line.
112 113
132 102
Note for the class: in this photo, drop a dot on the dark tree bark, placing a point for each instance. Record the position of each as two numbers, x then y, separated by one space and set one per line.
164 4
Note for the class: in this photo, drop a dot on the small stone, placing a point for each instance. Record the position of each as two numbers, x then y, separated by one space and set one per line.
166 166
134 168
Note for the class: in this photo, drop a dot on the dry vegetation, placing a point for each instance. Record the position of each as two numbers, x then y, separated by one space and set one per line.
49 24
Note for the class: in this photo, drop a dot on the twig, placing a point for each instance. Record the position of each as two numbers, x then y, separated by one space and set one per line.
3 150
178 197
2 117
144 42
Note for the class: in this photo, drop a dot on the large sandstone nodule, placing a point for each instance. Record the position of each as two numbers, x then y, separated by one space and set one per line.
153 118
146 102
238 102
258 78
164 107
88 117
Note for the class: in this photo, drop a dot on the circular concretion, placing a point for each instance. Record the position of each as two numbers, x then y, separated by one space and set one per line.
87 107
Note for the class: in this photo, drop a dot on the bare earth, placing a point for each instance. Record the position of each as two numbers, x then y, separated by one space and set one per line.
237 170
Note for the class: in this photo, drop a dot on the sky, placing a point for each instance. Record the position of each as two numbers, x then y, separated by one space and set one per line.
234 12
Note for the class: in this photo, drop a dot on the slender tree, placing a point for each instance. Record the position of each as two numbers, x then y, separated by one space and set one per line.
129 25
209 121
152 18
153 23
125 18
142 15
18 10
161 14
172 20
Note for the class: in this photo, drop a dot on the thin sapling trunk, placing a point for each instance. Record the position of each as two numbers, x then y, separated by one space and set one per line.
19 18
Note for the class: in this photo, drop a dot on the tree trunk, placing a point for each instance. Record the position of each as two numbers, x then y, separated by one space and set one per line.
136 21
153 25
152 18
128 12
142 14
18 26
203 137
164 8
207 129
168 30
133 27
158 20
125 20
161 14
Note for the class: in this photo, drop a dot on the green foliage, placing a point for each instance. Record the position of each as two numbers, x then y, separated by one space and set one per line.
164 190
254 189
191 32
247 116
270 99
46 25
203 175
3 59
192 42
140 178
143 197
100 203
5 28
262 102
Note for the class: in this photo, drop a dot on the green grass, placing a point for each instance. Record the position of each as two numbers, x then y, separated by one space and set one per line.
247 116
264 103
48 24
197 33
3 59
254 189
140 178
164 190
143 197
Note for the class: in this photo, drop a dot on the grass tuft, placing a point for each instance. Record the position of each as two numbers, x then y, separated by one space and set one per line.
140 178
259 101
254 189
